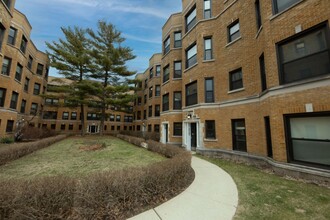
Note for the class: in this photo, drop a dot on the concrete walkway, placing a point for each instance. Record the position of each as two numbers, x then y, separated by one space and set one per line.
212 195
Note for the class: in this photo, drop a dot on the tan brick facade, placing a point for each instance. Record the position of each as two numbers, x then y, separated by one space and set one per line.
281 27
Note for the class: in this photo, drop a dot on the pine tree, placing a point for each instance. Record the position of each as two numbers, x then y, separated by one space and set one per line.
71 58
109 66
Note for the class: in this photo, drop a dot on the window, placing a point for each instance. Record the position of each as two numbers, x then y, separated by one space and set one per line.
112 117
263 72
166 102
149 128
191 94
166 74
258 14
36 89
239 135
139 101
145 98
208 48
73 115
309 139
30 61
158 70
62 127
191 19
47 73
2 97
118 117
71 127
65 116
305 56
150 92
156 128
151 73
23 106
150 111
177 129
281 5
138 116
50 115
177 69
209 90
233 31
177 100
146 83
53 126
177 39
2 33
207 9
236 79
34 109
40 69
157 90
50 101
157 110
23 44
191 55
12 36
6 63
13 101
144 114
167 44
8 3
92 116
10 126
26 84
210 129
18 74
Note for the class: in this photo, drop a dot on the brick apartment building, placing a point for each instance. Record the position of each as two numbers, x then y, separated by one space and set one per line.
24 77
245 77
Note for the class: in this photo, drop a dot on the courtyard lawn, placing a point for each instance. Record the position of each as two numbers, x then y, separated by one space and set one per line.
79 156
263 195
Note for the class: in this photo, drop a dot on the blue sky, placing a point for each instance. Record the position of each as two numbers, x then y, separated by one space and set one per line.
140 22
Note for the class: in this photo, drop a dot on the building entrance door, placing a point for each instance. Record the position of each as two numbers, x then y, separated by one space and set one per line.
193 135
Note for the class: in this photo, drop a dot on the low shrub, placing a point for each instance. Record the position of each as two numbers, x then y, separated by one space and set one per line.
7 140
145 135
17 150
33 133
107 195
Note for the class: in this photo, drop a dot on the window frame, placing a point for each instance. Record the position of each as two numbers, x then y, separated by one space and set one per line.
14 100
150 111
235 136
231 36
177 43
191 60
166 105
276 9
23 45
36 89
210 129
189 25
263 76
166 73
157 110
177 73
23 106
7 66
231 81
34 111
26 84
3 97
195 99
18 75
177 129
12 39
258 14
65 115
10 126
40 69
209 91
207 11
177 105
150 91
158 70
208 51
167 45
157 90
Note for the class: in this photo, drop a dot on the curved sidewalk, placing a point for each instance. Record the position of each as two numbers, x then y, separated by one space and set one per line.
212 195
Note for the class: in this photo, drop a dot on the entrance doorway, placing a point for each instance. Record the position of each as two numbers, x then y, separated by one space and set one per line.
93 129
193 136
165 133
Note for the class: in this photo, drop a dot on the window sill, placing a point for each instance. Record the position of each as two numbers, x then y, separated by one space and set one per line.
209 61
285 10
259 31
4 75
236 90
177 136
18 81
234 41
210 140
164 83
189 68
177 79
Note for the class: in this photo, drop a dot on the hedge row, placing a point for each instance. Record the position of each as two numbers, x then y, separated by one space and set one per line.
107 195
15 151
142 134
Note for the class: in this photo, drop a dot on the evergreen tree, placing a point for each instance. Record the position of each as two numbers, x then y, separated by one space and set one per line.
71 58
109 66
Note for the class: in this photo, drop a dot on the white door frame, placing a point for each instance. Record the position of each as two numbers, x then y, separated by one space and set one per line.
163 133
187 135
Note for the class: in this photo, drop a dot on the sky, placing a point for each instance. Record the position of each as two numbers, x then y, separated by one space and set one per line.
140 22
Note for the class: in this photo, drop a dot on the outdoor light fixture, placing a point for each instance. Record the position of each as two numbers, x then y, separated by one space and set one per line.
189 116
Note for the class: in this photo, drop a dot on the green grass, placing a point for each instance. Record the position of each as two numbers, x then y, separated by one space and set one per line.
65 158
263 195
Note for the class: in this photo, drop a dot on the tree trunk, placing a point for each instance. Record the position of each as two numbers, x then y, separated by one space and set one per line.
82 120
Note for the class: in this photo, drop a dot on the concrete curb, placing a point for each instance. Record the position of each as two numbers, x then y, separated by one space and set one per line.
212 195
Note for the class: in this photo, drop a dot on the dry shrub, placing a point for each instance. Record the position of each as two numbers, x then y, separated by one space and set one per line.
33 133
14 151
107 195
145 135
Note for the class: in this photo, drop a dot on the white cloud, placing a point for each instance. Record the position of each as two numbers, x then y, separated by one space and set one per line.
141 39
